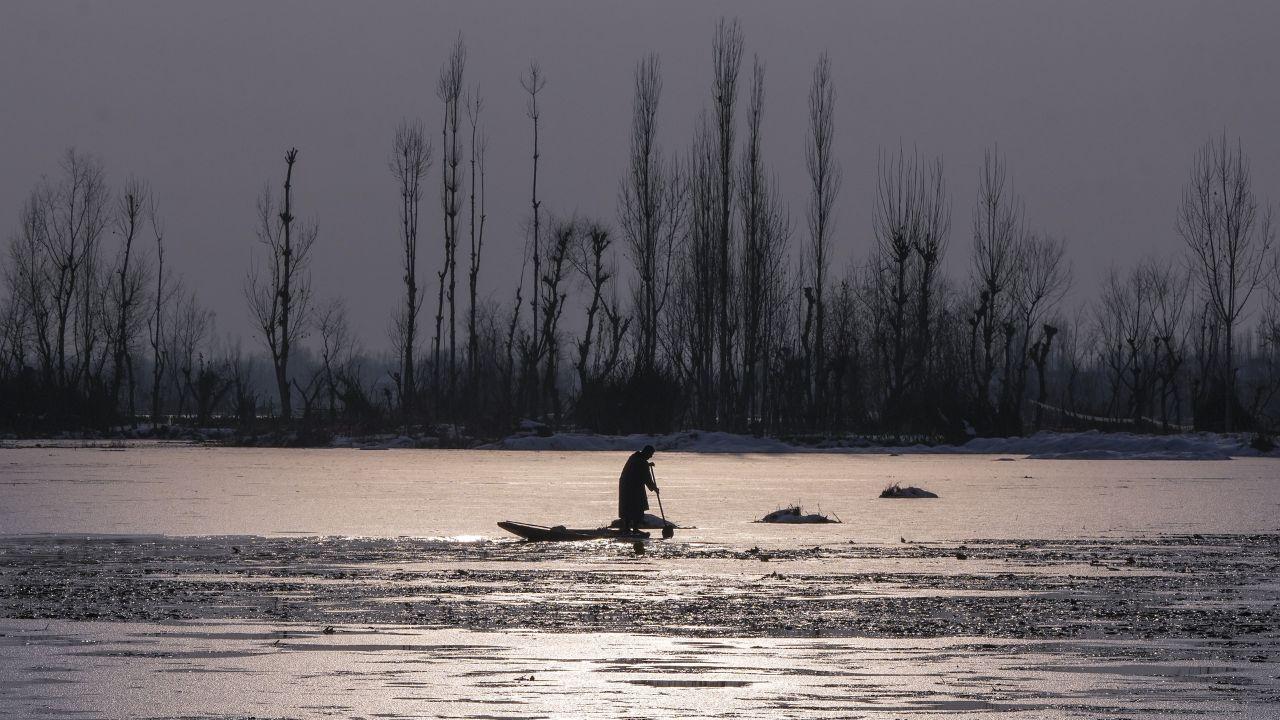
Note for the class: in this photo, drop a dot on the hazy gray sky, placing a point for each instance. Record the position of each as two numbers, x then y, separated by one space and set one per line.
1097 106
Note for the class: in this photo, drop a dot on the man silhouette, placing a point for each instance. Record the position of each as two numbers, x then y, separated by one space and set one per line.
636 475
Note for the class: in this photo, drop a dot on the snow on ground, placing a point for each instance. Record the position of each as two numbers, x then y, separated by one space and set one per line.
687 441
1095 445
1092 445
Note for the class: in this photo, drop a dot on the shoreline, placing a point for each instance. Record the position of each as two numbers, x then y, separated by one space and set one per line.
1045 445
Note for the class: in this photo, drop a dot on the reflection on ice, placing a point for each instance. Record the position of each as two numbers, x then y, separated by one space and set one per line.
220 670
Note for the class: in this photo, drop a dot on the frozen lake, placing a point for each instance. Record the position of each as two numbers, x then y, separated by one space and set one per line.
177 490
177 581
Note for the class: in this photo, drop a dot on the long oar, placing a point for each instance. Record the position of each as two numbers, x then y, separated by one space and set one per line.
668 531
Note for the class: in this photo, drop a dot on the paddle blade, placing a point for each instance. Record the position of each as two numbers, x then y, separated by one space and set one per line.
668 532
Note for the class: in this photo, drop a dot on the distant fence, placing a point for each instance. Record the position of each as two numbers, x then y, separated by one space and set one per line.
1103 422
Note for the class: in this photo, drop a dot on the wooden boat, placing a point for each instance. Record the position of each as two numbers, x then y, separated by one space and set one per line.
560 533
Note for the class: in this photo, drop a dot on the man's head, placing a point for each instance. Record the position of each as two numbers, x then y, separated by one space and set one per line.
647 452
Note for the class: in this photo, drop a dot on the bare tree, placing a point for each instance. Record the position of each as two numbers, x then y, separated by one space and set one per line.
449 91
563 234
911 221
1043 279
478 147
997 228
533 81
592 259
279 293
766 227
336 349
1128 333
30 284
824 179
190 331
651 209
73 215
727 60
1229 240
410 161
1169 287
698 281
155 326
128 282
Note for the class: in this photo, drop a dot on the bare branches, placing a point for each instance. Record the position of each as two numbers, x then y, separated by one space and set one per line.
651 210
279 292
1229 240
533 81
563 237
449 92
126 285
591 258
410 161
824 179
155 326
727 59
475 104
766 231
911 222
997 228
72 216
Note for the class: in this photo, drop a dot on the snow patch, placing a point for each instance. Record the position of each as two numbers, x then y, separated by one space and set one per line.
688 441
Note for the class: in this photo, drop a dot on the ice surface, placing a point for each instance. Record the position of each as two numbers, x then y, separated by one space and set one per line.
278 670
189 490
1101 590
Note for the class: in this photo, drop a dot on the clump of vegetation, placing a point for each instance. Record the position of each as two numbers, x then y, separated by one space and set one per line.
897 491
793 514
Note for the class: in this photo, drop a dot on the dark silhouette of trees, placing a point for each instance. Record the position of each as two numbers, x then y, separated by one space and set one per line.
449 91
696 306
70 217
129 277
155 325
478 147
410 161
727 61
911 222
279 291
1229 240
722 322
561 240
651 211
600 348
824 180
997 228
533 81
766 231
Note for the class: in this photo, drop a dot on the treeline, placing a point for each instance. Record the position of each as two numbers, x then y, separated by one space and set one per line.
701 300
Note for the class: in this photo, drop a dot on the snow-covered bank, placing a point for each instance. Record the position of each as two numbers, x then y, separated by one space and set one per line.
687 441
1090 445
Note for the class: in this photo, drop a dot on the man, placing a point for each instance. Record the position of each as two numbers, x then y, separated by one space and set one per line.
636 475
